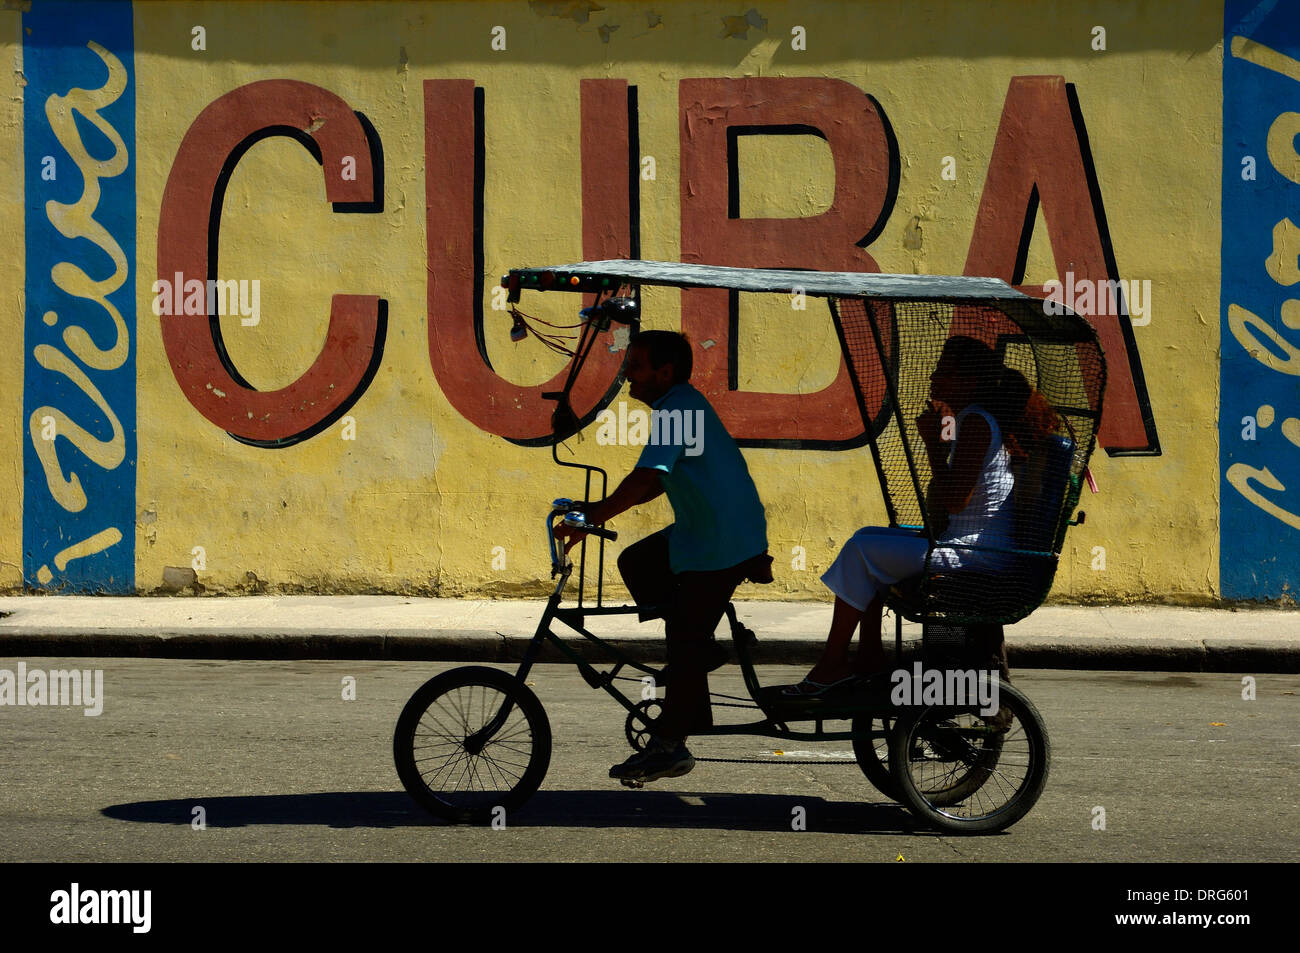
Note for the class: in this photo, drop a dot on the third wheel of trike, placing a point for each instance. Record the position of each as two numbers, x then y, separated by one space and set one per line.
971 771
472 743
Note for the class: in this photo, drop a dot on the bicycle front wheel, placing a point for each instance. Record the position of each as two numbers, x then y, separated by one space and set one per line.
472 744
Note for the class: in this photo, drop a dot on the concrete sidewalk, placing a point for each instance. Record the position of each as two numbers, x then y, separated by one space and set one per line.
399 627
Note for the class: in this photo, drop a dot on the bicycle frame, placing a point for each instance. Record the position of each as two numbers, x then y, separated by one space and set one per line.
775 723
870 342
936 761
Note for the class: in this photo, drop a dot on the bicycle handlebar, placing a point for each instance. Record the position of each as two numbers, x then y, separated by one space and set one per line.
576 521
571 510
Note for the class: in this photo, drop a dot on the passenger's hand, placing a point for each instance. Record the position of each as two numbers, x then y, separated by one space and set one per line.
930 423
936 417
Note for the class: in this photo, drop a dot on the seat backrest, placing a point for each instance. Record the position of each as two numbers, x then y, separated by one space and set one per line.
1039 494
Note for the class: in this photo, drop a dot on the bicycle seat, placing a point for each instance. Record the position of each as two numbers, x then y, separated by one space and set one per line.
759 569
976 595
911 592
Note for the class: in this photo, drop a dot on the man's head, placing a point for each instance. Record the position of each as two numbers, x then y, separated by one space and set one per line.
656 362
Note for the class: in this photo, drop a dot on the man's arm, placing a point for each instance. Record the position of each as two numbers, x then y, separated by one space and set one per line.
640 486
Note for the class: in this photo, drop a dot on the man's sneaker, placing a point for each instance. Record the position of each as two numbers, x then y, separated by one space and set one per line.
659 760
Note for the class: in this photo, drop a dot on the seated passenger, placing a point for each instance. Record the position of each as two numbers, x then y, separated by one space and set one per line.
986 409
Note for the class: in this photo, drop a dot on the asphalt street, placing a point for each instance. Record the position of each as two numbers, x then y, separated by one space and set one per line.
278 765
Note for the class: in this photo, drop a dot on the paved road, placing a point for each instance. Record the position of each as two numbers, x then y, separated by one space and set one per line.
285 769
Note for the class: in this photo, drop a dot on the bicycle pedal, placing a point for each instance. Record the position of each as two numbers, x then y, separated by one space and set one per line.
631 782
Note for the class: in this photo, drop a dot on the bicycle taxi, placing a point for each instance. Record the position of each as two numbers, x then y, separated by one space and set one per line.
476 739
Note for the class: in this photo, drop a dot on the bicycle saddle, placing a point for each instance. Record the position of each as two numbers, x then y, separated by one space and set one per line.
759 569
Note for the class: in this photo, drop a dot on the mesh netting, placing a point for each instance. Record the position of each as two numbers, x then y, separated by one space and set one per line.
924 372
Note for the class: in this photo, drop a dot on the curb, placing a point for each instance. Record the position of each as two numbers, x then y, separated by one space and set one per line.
485 646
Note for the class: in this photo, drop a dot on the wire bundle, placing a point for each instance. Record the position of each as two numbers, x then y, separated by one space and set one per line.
521 328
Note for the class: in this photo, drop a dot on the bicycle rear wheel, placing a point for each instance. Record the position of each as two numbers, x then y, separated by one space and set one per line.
471 743
970 773
950 787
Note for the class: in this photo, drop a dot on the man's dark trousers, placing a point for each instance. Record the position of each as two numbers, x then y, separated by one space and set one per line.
693 603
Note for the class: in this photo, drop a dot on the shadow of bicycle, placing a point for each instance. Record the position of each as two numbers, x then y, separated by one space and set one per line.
560 809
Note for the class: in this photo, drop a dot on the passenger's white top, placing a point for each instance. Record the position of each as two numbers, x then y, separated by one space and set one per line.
987 518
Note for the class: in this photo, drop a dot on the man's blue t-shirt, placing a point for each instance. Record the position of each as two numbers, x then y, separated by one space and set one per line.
719 517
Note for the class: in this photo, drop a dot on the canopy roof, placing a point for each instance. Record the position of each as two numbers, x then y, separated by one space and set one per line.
817 283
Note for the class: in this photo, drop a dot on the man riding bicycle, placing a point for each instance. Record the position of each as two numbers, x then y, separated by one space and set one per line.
688 571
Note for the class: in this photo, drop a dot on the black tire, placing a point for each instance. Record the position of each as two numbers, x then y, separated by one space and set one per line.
968 773
639 721
873 753
873 759
463 786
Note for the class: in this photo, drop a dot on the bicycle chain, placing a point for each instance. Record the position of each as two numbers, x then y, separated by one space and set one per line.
745 703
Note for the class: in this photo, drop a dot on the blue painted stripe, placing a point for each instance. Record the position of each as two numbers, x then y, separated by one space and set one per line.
79 487
1259 477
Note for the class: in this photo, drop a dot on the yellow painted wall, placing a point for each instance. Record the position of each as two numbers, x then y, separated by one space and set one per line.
418 501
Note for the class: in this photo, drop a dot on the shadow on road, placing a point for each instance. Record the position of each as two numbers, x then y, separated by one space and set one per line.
596 809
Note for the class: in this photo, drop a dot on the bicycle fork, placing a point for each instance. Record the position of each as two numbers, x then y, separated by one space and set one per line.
476 742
